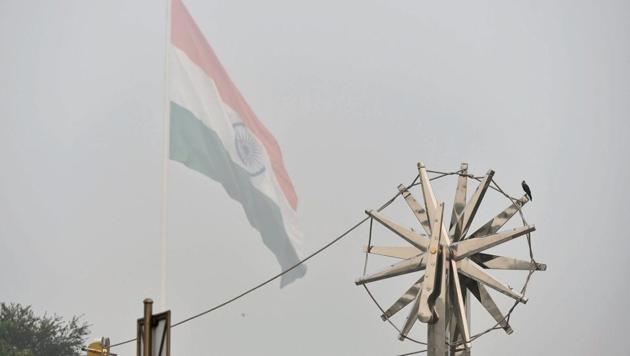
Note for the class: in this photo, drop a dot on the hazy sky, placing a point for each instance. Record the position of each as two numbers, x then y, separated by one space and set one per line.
356 92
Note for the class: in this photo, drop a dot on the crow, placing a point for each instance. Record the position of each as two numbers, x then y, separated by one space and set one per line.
527 190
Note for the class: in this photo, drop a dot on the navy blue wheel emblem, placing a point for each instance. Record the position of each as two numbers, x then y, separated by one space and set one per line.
248 150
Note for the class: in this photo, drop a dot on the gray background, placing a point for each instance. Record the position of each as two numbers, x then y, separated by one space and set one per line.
356 92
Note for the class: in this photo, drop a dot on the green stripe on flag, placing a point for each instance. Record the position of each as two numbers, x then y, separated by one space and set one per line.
199 148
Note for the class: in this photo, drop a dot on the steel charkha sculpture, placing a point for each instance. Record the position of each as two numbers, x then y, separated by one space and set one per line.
453 261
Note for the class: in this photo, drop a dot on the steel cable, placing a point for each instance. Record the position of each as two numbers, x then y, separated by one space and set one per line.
262 284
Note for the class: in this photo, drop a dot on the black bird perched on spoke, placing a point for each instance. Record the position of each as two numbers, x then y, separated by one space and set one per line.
527 190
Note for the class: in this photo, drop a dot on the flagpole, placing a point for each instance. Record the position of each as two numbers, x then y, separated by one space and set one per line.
165 155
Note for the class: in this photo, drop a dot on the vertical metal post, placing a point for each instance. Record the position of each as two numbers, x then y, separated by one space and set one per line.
437 330
146 334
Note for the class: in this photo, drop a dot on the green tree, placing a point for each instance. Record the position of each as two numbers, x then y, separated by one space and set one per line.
22 333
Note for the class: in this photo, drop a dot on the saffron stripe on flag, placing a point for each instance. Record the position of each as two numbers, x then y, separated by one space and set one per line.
187 36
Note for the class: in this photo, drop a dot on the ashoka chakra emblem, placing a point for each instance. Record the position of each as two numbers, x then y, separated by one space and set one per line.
249 150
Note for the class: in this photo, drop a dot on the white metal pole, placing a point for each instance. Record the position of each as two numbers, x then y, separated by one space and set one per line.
165 157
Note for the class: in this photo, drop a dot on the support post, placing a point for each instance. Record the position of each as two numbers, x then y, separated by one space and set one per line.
146 334
437 333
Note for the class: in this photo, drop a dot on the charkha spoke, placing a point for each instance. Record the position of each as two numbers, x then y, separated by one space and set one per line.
413 316
427 192
418 240
472 270
433 209
402 302
498 221
508 263
402 252
460 201
460 308
403 267
416 208
472 206
463 249
481 293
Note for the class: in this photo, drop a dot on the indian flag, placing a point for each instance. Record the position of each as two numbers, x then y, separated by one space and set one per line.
214 132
